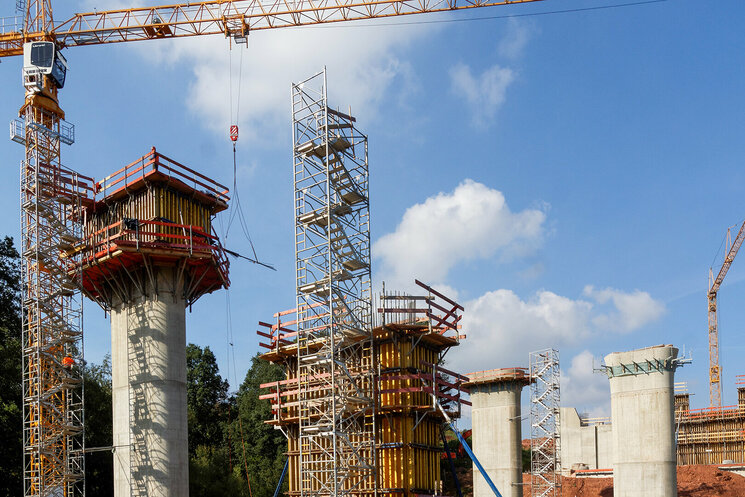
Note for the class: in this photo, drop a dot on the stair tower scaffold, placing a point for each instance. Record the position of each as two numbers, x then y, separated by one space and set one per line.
51 223
336 361
715 370
545 403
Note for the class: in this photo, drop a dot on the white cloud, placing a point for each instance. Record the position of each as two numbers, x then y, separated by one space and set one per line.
365 70
483 93
471 222
512 45
583 387
629 310
362 65
502 329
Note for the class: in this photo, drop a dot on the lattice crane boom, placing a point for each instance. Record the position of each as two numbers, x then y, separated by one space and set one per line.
235 18
715 370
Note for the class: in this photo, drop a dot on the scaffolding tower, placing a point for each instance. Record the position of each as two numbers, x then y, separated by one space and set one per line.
51 224
545 403
336 360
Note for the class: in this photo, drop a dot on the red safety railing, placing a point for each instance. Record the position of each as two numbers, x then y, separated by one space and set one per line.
440 313
152 162
280 333
139 234
710 412
444 384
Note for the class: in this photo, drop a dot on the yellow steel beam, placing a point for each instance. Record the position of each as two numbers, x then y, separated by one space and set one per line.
229 18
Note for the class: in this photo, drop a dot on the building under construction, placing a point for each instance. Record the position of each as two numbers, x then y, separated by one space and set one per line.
711 435
411 339
359 401
147 253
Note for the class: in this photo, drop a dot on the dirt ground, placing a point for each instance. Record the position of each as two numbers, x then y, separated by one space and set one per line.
693 481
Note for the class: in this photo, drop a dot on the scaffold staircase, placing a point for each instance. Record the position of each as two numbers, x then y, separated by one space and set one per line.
336 363
51 206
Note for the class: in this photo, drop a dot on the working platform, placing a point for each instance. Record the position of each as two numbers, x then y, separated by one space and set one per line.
151 213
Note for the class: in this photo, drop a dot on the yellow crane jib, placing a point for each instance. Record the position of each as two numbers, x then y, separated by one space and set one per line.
715 370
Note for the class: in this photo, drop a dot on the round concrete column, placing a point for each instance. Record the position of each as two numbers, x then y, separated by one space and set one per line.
642 420
148 344
497 432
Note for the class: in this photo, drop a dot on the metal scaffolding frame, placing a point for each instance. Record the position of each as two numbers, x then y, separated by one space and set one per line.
52 330
545 403
336 360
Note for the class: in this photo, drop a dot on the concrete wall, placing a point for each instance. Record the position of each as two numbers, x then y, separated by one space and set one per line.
591 445
641 384
497 437
148 349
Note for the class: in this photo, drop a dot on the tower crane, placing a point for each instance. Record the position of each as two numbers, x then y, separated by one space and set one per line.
51 193
715 371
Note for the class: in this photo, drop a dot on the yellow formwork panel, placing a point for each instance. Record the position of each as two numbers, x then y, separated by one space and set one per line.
409 456
408 452
157 203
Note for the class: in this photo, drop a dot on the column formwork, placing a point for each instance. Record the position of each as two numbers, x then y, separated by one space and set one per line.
410 340
149 252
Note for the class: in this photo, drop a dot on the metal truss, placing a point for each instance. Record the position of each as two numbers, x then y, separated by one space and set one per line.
336 365
234 18
545 463
52 313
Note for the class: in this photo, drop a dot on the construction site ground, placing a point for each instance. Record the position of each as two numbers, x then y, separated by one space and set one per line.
693 481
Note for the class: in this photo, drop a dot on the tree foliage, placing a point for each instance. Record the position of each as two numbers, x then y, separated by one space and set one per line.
260 447
11 410
207 398
99 469
228 438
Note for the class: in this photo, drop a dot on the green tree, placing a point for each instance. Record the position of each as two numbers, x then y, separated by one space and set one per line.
11 410
99 465
211 471
206 397
211 474
264 447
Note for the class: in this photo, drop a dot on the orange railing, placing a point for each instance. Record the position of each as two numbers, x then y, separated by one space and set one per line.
710 412
153 234
280 333
440 313
154 161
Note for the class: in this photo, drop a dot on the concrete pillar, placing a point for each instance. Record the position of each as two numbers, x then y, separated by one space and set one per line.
641 386
497 432
584 443
148 344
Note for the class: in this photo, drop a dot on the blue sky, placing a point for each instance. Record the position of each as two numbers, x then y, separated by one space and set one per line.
572 174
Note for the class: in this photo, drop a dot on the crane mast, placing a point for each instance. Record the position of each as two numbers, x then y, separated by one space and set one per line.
715 370
52 195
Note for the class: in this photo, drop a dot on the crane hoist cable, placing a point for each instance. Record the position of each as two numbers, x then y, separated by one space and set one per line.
236 210
231 361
